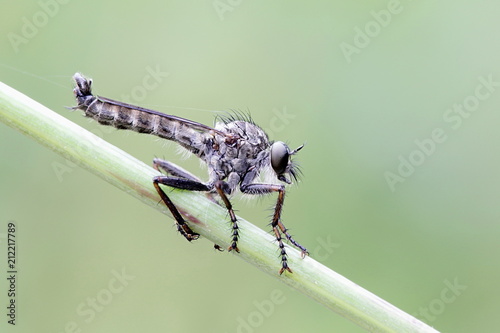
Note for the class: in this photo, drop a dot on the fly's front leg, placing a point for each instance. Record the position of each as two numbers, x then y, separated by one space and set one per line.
184 184
276 223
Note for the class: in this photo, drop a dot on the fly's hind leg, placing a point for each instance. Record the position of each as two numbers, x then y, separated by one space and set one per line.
181 179
191 182
173 169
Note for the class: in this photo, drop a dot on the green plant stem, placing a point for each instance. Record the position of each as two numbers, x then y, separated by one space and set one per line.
205 217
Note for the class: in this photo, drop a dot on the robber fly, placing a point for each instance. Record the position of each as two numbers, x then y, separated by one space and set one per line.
235 150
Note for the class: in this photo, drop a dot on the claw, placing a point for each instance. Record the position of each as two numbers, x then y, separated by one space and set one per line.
285 267
233 247
189 234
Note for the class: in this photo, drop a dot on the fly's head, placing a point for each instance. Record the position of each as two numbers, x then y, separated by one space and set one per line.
282 163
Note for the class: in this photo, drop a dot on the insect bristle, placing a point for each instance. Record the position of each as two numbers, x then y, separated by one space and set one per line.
235 115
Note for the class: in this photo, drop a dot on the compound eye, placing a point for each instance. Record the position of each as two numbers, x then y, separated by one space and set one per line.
279 157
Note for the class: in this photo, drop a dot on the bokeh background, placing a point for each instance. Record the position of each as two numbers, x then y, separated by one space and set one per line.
364 83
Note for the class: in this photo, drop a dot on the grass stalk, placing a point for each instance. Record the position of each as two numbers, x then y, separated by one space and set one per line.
205 217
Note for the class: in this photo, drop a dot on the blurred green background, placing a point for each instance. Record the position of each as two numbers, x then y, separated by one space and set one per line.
363 83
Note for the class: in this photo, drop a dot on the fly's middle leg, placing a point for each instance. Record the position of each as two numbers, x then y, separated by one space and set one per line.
220 188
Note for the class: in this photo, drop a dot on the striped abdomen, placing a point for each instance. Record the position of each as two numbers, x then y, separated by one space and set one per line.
191 135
